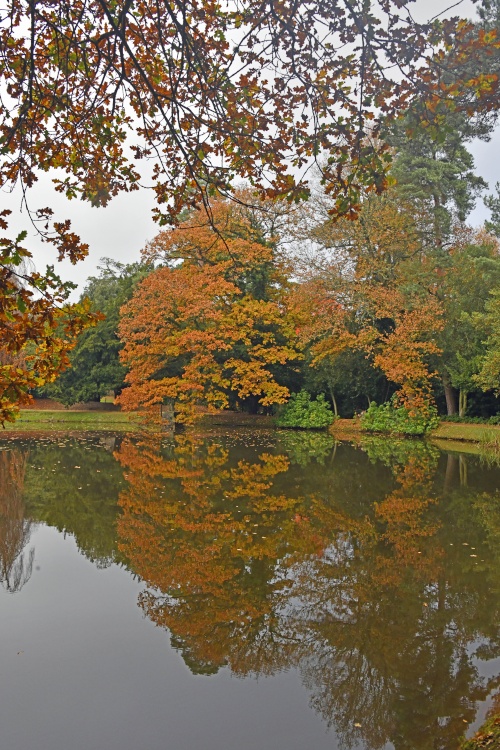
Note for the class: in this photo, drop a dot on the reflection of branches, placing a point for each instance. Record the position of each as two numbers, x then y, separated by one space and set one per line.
15 530
367 606
206 532
372 651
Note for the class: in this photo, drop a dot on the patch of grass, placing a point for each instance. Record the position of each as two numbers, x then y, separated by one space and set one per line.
491 440
490 448
458 446
74 420
487 737
475 433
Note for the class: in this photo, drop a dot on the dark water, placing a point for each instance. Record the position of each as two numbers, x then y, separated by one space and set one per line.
248 590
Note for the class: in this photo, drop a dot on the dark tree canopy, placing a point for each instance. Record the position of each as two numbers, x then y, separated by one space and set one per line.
95 365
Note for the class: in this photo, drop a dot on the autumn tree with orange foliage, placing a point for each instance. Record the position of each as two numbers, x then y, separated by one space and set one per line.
376 294
210 325
38 327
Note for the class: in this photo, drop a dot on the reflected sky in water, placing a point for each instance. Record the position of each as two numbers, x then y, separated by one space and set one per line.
246 589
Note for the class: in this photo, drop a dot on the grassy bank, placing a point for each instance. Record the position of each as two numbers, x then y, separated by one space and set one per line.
475 433
347 429
32 420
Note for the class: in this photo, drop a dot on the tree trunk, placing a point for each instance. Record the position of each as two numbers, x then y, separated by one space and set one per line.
452 469
252 404
462 402
450 396
463 470
334 402
334 452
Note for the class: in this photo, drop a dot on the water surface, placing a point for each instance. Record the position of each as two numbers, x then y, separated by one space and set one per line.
245 589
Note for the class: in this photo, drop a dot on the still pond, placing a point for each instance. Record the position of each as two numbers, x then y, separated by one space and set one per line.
245 590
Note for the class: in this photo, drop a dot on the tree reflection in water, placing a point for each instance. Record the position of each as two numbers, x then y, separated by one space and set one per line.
371 598
16 566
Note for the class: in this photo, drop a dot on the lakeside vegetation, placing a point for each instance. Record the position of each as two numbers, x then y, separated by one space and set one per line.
358 328
268 303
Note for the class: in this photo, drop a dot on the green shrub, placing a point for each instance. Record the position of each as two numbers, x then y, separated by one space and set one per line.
303 413
390 417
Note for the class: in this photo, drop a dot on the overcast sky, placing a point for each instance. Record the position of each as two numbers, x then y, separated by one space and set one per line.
120 230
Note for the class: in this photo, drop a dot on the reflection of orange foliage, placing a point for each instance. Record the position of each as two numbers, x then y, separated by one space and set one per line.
15 530
405 513
222 551
247 576
201 533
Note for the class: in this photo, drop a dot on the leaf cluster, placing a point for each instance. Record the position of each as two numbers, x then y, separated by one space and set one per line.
212 94
38 327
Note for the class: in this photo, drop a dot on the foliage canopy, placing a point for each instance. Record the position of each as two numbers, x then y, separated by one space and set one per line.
95 368
210 325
